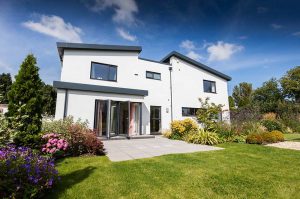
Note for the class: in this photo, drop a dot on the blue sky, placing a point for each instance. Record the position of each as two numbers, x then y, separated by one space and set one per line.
251 41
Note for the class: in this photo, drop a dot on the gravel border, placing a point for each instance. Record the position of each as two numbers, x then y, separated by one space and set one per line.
286 145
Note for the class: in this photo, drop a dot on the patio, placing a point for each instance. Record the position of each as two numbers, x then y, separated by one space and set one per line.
121 150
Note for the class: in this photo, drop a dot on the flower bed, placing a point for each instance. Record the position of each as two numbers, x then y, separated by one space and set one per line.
25 174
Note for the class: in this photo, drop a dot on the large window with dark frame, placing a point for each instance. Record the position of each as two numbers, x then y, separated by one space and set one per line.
153 75
186 111
209 86
103 72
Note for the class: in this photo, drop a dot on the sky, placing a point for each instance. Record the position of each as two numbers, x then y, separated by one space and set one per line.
251 41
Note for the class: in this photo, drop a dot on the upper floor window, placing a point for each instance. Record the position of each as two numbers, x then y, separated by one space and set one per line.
189 111
209 86
153 75
103 72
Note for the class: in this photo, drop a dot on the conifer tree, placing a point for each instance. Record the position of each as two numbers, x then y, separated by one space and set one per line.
25 104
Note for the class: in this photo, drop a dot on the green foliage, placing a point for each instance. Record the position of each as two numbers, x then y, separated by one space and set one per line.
290 83
208 114
242 94
254 138
272 125
5 85
83 140
25 103
80 138
203 137
180 128
49 99
61 126
265 137
268 96
4 131
231 103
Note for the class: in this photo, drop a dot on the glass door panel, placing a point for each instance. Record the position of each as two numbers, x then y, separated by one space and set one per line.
155 119
135 118
100 117
123 117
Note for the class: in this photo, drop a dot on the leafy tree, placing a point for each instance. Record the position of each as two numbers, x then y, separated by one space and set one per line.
5 84
268 96
290 83
25 104
242 94
208 114
231 103
49 99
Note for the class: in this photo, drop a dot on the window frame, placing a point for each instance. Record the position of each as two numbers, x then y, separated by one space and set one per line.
209 82
153 73
110 66
195 111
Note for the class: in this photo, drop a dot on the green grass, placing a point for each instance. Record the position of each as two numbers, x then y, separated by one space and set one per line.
292 137
239 171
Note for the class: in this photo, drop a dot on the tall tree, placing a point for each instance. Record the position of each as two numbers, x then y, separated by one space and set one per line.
49 99
268 96
5 84
231 103
290 84
25 103
242 94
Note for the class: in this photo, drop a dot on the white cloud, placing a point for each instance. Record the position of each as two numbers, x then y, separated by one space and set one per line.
193 55
56 27
296 33
222 51
276 26
124 9
187 45
126 35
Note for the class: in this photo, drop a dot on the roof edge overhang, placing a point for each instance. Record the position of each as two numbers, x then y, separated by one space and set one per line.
61 46
195 63
96 88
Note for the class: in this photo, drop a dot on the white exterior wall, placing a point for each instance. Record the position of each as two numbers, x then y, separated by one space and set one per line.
187 85
131 73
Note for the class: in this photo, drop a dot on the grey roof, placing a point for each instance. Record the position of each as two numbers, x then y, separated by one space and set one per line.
151 60
195 63
81 46
96 88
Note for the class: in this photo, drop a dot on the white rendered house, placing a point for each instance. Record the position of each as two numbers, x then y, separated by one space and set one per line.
120 93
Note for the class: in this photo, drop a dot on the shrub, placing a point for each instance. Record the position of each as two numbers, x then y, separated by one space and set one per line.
25 104
269 116
182 127
272 125
54 145
224 131
279 136
208 114
254 138
167 133
203 137
62 126
4 131
252 127
268 137
25 174
83 140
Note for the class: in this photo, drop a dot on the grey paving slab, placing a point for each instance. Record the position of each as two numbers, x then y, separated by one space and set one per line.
121 150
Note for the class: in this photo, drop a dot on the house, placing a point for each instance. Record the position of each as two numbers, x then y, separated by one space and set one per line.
120 93
3 108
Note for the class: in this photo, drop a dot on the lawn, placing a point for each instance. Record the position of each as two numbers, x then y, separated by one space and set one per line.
239 171
292 137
